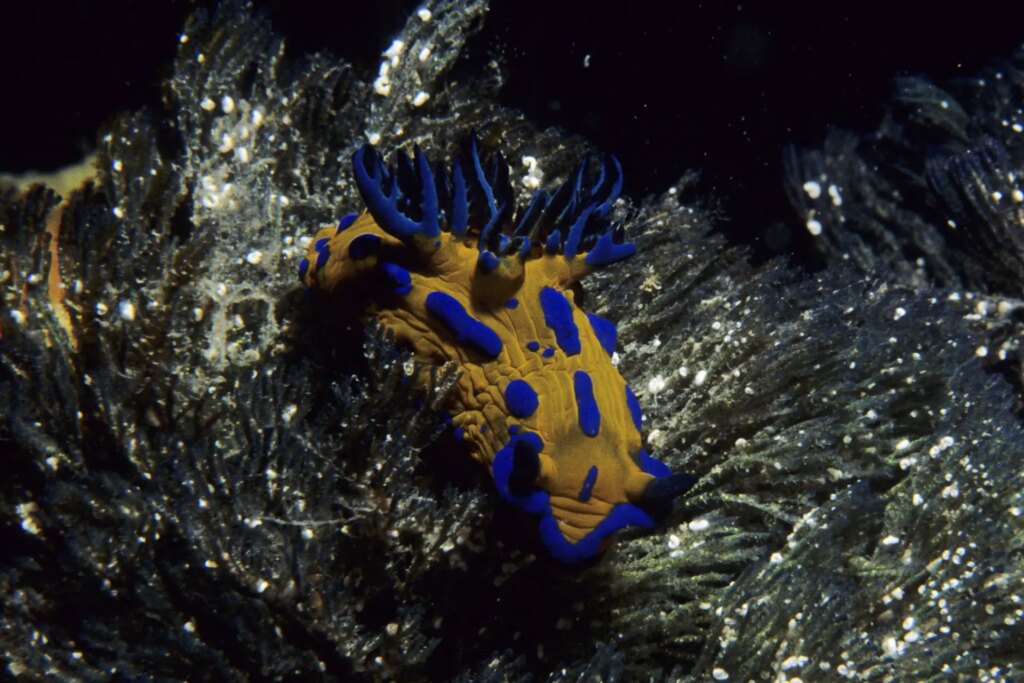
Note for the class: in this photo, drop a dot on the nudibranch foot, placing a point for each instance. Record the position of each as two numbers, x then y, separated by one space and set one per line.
442 259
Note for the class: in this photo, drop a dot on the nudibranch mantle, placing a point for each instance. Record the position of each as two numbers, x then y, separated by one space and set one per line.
439 258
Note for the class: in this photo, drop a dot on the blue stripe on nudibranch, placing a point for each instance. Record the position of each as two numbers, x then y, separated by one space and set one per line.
303 268
465 327
362 246
531 345
605 332
520 398
400 278
548 352
588 484
558 316
512 303
634 408
321 243
586 407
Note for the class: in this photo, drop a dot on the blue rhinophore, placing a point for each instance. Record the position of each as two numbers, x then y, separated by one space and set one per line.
605 332
303 268
466 328
345 222
586 406
558 316
363 246
588 484
520 398
634 408
533 345
652 465
536 500
401 278
322 255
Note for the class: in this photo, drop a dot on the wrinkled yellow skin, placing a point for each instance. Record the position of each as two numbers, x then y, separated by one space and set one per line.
479 407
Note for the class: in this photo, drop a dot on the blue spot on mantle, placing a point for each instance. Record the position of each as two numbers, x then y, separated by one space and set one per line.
466 328
363 245
401 279
558 316
588 484
605 332
521 398
586 407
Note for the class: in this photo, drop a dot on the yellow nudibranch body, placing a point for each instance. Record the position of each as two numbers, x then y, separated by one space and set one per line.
436 259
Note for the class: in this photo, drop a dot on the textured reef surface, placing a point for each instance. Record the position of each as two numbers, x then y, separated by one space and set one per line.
204 471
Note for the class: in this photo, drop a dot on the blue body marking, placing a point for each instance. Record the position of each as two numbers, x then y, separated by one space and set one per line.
588 484
520 398
558 316
466 328
605 332
586 407
346 221
322 255
622 515
400 278
537 501
652 466
363 246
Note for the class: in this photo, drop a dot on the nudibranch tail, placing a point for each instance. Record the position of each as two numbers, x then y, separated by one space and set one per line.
444 260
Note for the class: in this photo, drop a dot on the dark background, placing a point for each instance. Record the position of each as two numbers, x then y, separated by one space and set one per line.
670 86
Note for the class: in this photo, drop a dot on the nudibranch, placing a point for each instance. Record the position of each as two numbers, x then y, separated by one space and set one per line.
442 258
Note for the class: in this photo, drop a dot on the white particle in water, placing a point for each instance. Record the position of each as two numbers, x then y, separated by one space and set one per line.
127 310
